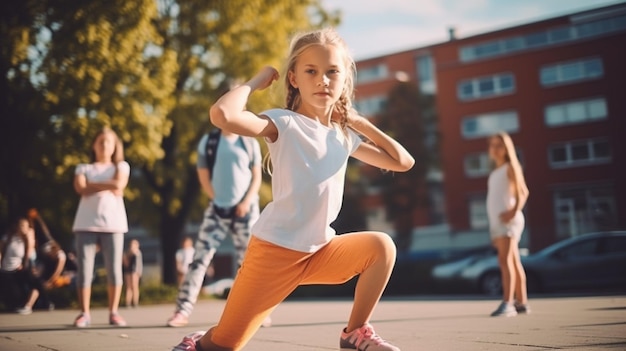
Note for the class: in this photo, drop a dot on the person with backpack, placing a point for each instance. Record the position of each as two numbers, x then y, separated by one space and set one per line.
229 171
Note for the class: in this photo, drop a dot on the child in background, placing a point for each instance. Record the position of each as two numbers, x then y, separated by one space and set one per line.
133 269
184 257
100 222
506 196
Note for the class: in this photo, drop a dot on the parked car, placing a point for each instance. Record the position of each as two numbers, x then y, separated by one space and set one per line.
589 261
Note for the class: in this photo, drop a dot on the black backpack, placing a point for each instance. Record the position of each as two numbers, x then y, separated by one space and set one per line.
211 148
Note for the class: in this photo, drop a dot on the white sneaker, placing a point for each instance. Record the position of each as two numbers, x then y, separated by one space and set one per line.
24 310
506 309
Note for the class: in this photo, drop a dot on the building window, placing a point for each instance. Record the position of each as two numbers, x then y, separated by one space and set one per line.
373 73
575 112
542 38
484 87
579 153
477 165
477 207
489 124
584 209
570 72
426 74
371 106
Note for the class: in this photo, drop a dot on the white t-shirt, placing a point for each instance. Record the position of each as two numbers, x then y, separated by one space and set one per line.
14 254
103 211
308 171
185 256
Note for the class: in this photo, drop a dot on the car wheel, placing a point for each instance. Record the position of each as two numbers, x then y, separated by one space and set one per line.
491 283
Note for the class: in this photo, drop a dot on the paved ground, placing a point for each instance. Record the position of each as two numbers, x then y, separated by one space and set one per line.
413 323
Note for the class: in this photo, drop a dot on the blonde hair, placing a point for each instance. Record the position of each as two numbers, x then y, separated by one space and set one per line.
511 158
299 43
323 37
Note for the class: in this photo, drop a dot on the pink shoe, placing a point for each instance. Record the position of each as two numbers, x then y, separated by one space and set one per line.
116 320
178 320
189 342
82 321
364 338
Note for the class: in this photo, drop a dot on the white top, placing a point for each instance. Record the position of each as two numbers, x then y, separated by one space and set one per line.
309 165
13 256
102 211
499 196
185 257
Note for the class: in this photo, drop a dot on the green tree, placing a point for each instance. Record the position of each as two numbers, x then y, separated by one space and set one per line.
148 68
408 117
69 67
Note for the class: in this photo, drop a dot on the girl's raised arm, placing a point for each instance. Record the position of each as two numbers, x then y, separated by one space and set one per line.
385 153
229 112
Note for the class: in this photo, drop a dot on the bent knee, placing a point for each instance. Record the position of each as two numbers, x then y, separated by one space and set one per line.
382 244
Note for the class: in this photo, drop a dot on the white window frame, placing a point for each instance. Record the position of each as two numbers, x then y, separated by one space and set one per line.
476 93
559 72
477 212
426 74
371 105
575 209
571 162
483 162
372 73
565 109
490 123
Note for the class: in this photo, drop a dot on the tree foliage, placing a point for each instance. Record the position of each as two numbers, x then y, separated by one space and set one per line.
409 118
149 69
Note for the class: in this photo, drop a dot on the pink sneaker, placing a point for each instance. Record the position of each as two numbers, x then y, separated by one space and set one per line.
116 320
82 321
178 320
189 342
364 338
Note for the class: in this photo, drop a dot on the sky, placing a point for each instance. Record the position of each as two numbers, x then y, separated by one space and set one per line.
379 27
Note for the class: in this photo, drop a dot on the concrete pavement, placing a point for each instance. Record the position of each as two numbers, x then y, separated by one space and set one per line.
412 323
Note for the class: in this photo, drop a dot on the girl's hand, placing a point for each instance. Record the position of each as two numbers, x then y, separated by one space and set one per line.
264 78
507 216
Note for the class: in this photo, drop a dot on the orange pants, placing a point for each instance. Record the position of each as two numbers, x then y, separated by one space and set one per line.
269 273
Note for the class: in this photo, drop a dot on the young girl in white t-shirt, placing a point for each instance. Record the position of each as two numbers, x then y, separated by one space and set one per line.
292 243
101 221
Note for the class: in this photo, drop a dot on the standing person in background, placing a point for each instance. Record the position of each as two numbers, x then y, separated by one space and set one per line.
292 243
15 270
133 269
101 221
231 177
506 196
184 257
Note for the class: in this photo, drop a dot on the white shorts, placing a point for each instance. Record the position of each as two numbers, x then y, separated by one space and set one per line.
513 229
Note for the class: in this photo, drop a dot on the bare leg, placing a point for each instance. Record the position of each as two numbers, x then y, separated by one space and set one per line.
114 292
135 282
371 284
84 299
129 289
520 278
32 298
507 266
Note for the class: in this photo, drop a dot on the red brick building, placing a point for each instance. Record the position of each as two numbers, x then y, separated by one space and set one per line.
557 86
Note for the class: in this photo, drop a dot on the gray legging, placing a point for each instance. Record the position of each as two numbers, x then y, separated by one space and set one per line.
112 248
